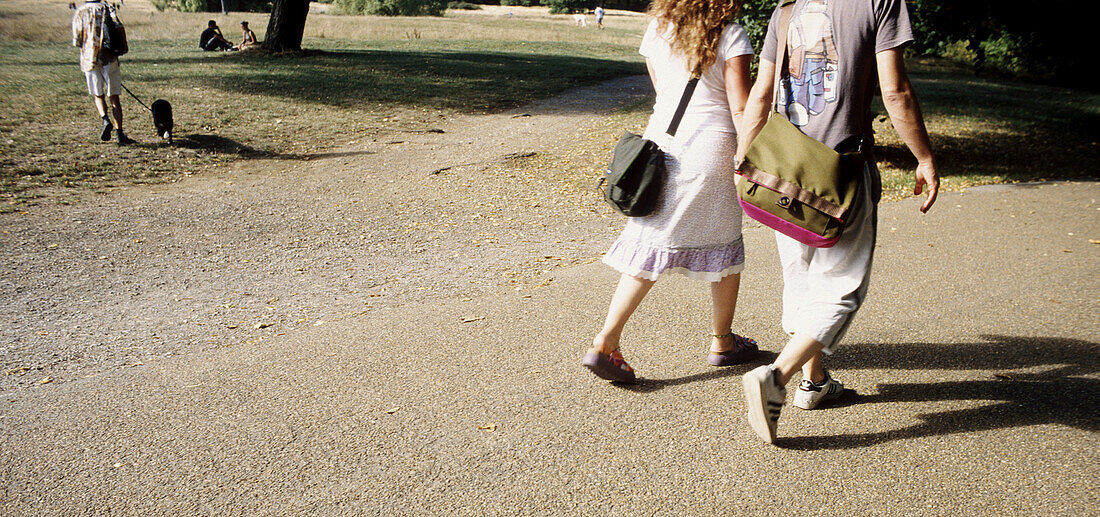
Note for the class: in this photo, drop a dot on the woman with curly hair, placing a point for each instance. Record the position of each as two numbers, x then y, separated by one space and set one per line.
696 228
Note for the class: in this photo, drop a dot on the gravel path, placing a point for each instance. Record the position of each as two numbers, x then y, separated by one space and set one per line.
972 373
272 246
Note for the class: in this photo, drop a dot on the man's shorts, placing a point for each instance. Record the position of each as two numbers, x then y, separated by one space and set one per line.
105 81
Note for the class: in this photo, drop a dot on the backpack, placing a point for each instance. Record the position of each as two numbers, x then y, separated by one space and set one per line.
114 36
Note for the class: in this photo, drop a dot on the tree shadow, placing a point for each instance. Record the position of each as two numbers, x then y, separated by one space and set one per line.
463 80
1060 395
1003 128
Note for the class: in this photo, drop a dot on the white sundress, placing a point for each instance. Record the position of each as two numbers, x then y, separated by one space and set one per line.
696 227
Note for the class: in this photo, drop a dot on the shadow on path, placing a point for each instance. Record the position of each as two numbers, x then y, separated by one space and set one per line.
1056 396
644 385
221 144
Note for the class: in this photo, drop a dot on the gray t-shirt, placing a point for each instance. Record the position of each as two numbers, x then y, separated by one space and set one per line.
832 46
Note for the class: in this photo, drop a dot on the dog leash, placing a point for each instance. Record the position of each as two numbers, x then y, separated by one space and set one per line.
135 97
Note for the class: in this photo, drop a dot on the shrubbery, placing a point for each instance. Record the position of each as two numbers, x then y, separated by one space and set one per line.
522 3
1006 36
1025 40
211 6
568 6
391 7
465 6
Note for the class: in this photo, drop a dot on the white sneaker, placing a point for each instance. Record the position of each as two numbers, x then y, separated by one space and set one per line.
809 395
764 397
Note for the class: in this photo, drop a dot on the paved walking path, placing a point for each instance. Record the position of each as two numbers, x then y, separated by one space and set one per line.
974 364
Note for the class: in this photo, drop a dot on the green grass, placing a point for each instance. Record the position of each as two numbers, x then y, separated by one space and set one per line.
233 106
993 131
238 106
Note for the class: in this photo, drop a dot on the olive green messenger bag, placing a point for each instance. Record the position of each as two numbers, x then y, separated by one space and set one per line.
791 182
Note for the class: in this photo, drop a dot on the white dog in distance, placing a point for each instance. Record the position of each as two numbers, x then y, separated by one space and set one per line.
581 20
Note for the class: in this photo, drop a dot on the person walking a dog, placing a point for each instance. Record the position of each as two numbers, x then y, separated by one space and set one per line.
838 50
100 66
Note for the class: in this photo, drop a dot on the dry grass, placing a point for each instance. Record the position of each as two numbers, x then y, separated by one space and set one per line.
231 106
48 20
985 131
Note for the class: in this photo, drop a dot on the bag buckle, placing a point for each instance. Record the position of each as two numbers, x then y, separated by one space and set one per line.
784 202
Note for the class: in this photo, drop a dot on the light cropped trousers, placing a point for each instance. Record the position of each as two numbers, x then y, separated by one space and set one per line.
824 287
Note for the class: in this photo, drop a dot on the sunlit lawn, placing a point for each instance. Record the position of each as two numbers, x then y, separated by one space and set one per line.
379 74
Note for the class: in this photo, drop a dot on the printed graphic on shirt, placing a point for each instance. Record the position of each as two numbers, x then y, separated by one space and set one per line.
813 63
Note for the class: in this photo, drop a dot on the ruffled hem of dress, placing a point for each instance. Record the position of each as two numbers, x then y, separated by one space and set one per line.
707 264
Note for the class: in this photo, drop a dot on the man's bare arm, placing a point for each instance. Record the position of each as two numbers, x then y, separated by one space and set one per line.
78 30
756 108
905 114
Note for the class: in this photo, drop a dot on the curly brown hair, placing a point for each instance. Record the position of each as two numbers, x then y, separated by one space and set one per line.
697 27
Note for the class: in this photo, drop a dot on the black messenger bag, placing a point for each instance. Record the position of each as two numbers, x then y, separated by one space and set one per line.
637 171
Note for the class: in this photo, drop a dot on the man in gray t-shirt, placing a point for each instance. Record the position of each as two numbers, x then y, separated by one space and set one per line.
836 51
832 46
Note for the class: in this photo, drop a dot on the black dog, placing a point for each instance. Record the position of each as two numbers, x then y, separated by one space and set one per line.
162 118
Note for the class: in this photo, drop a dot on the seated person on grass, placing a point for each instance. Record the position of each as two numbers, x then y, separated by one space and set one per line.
248 38
212 39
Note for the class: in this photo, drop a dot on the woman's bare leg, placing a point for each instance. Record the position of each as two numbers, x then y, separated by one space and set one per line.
628 296
724 296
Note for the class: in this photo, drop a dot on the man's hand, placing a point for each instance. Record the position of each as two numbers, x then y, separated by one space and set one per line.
926 175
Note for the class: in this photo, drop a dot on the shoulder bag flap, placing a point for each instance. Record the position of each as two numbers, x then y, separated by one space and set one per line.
784 159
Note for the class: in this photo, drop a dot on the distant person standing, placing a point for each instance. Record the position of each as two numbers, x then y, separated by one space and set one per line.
599 17
100 65
212 39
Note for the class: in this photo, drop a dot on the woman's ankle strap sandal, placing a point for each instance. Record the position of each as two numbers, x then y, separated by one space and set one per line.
744 349
611 367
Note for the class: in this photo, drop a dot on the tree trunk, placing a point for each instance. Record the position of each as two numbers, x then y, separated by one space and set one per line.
286 26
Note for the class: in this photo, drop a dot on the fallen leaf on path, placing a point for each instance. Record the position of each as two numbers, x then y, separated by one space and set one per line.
1067 250
470 320
393 410
17 371
46 380
42 333
1003 376
263 325
487 427
137 363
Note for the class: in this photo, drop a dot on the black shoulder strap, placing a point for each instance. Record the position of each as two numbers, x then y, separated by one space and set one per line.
684 99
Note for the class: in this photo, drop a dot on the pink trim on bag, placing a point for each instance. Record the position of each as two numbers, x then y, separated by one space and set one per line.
787 228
